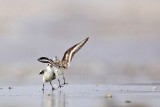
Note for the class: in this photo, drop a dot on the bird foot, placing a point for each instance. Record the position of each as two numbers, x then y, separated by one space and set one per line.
64 83
53 89
60 86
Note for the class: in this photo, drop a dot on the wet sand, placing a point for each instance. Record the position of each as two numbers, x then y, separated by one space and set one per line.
141 95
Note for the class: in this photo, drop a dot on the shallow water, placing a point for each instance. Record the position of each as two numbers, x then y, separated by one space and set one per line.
81 96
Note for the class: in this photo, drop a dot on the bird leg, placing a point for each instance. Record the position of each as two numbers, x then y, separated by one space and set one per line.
43 87
59 84
64 80
52 86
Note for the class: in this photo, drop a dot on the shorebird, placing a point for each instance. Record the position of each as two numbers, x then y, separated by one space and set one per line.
63 64
49 74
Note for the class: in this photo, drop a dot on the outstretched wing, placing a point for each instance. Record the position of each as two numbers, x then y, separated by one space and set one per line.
45 60
49 61
68 55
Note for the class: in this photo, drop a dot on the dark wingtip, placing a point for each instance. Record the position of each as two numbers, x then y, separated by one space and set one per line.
41 58
38 59
87 38
42 72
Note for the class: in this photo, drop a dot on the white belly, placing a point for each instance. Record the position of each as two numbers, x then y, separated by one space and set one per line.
48 76
60 72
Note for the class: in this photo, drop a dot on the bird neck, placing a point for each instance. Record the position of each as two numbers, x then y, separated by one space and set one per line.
49 68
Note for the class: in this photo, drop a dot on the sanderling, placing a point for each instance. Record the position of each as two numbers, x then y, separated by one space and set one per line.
49 74
60 65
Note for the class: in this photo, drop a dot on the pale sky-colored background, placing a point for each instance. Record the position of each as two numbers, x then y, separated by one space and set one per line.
124 44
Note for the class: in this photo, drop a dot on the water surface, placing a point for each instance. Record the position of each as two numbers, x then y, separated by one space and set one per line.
81 96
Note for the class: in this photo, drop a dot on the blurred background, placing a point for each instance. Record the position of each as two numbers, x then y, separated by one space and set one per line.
124 44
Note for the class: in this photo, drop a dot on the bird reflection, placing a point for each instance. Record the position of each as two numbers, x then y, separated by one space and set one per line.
53 99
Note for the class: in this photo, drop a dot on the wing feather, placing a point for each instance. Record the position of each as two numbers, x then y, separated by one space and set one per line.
68 55
45 60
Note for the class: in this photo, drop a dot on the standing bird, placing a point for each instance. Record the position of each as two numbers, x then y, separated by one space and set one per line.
63 64
49 74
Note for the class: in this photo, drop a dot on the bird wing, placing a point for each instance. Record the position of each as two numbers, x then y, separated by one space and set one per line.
42 72
68 55
49 61
45 60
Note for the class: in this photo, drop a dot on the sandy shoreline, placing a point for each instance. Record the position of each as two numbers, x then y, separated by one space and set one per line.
81 96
